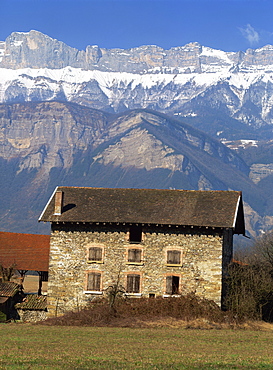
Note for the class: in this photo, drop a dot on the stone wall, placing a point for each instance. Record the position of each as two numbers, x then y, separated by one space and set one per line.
200 270
32 315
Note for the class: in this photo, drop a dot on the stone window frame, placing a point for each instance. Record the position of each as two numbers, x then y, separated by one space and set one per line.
174 248
178 294
134 294
86 291
141 263
95 245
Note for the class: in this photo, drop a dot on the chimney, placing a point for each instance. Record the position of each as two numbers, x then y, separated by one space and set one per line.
58 203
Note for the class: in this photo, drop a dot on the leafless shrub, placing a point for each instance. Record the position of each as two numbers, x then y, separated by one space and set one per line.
250 281
6 273
128 312
249 290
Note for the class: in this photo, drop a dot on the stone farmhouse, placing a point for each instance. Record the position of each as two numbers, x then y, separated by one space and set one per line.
154 242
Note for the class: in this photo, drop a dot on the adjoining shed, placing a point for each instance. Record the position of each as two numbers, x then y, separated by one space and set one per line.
153 242
33 308
10 294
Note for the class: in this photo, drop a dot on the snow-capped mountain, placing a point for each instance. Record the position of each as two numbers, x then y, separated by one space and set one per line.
189 81
98 118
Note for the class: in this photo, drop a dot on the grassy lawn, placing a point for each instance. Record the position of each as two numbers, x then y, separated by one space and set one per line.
25 346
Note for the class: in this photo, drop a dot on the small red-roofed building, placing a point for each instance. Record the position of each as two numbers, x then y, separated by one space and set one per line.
25 252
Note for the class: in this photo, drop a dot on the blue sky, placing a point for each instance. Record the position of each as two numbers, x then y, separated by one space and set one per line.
230 25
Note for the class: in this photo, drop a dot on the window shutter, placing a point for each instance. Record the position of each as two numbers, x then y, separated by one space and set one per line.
174 257
95 254
134 255
172 284
130 283
93 282
133 283
137 284
175 285
169 285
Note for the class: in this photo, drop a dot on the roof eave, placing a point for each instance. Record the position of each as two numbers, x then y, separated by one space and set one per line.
239 222
49 201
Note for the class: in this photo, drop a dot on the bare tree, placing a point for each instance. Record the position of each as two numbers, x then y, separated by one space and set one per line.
114 292
262 250
250 281
6 273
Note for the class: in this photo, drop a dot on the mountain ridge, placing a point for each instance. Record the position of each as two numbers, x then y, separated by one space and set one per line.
132 118
18 49
45 144
190 81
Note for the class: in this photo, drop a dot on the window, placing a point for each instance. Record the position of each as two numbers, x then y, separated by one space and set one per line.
134 255
95 254
133 283
174 257
94 281
172 285
135 234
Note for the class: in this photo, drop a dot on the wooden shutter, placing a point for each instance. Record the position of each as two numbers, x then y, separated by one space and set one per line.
175 285
93 282
174 257
134 255
95 254
172 284
133 283
169 285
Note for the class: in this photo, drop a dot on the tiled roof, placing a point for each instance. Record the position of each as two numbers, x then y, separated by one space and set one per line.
8 289
33 302
26 251
149 206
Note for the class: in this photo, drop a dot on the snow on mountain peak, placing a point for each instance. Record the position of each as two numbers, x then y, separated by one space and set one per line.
35 67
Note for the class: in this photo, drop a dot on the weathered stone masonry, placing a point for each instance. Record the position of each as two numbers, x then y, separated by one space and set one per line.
200 270
156 242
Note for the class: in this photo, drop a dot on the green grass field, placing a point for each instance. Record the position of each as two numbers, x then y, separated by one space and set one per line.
25 346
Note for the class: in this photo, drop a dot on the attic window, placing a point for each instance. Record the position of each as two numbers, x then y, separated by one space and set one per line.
135 234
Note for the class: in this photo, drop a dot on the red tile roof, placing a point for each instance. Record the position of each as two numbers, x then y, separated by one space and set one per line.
26 251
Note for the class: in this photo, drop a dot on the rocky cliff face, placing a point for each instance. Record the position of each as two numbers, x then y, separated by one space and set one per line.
192 82
48 134
46 144
36 50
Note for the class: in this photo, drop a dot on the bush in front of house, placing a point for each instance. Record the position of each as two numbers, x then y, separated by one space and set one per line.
139 311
